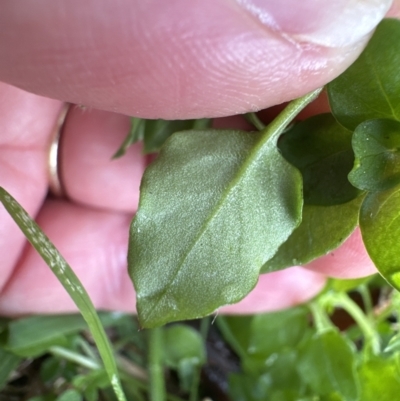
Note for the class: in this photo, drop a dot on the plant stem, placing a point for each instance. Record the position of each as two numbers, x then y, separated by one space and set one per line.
204 327
367 301
321 319
230 338
342 300
74 357
279 124
253 119
156 372
194 388
86 348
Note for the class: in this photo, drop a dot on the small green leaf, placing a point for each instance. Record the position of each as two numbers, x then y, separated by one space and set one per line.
135 134
380 229
278 331
370 88
321 149
347 285
32 336
214 207
394 344
184 351
249 388
322 229
327 364
376 144
8 362
155 132
158 131
380 379
182 342
89 383
330 397
236 331
52 368
47 397
282 371
70 395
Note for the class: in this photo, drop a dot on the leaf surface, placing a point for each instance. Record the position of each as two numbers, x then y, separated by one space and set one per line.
370 88
214 207
277 331
8 362
322 229
380 379
155 132
32 336
201 234
376 145
182 342
327 364
184 351
321 149
380 229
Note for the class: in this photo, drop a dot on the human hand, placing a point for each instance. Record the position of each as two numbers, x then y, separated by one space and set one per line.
210 60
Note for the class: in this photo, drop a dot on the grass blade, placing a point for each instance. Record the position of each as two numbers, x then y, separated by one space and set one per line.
70 282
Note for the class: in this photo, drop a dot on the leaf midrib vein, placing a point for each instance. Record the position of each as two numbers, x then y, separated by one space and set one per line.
380 84
268 135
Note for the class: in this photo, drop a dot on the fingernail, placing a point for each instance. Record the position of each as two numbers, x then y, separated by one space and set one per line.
330 23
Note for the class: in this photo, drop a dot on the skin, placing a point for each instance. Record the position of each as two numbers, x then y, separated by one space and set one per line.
183 65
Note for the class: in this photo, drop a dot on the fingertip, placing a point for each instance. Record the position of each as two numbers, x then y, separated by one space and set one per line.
208 60
279 290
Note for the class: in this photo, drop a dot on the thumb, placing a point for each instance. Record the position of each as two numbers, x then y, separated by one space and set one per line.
205 58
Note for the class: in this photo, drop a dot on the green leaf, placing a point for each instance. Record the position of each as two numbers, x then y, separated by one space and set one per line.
8 362
52 368
249 388
376 144
321 149
90 383
32 336
236 331
155 132
158 131
283 395
327 364
184 351
214 207
282 371
322 229
370 88
331 397
135 134
278 331
347 285
394 344
380 229
380 380
70 395
70 282
47 397
182 342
